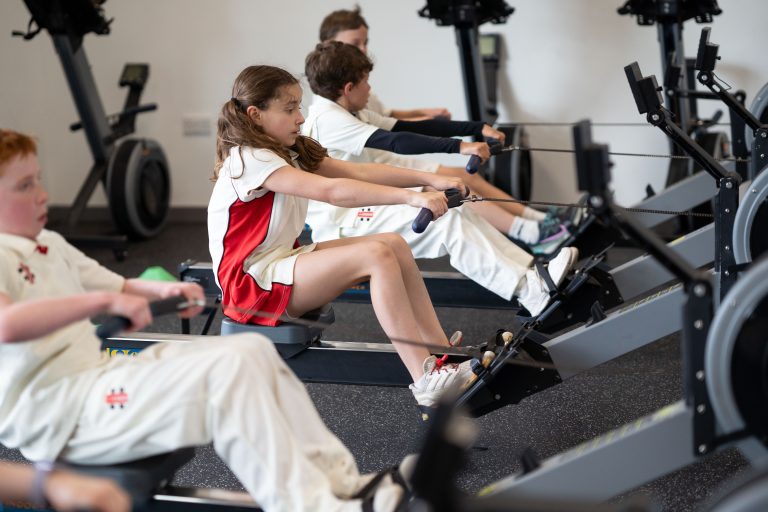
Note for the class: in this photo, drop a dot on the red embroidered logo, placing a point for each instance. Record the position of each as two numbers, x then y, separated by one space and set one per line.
365 214
27 272
117 399
42 249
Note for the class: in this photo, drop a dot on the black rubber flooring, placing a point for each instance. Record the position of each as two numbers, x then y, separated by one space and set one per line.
382 425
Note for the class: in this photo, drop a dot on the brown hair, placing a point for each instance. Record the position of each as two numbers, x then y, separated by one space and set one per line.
339 21
13 144
257 86
332 65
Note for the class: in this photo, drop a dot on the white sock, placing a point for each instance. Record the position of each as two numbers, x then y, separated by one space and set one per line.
531 214
527 231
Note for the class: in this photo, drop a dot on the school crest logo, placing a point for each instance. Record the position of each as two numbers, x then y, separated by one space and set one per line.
26 273
117 398
365 214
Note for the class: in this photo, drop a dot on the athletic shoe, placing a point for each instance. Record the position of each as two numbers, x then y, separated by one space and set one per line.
551 235
389 496
535 295
384 492
438 376
570 216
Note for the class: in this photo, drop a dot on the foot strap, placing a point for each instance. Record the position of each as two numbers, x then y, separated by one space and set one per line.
368 491
543 271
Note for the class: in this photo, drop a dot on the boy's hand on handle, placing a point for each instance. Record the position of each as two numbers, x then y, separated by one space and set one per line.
489 132
479 149
193 292
118 322
134 308
67 491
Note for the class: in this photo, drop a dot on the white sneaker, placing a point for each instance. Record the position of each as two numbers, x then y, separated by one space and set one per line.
534 293
438 378
388 496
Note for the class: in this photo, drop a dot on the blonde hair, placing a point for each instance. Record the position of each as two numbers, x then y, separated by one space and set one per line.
257 86
13 144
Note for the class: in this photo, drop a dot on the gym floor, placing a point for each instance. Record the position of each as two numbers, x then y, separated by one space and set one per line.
381 425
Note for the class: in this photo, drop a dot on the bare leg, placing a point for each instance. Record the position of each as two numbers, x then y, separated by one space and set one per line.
398 296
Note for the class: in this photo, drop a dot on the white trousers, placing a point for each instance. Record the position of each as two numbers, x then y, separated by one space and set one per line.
235 392
476 249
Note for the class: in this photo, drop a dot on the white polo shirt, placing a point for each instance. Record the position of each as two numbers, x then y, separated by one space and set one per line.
43 382
345 135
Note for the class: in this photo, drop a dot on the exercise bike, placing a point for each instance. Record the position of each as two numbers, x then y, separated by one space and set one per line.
133 171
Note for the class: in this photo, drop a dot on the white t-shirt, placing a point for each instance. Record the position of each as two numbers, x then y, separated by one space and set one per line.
251 229
43 382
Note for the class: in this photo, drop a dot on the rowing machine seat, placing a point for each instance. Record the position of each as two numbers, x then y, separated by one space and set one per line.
286 332
141 478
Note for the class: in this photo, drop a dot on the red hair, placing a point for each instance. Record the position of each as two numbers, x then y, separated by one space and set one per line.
13 144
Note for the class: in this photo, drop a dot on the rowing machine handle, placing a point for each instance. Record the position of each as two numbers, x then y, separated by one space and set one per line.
425 216
474 161
115 324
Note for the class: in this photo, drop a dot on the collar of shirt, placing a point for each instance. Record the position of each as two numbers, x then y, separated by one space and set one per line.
24 246
321 104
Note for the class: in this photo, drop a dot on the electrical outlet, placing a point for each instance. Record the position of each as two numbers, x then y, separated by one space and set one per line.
196 125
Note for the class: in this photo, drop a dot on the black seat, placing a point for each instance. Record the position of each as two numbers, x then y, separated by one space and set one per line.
141 478
286 332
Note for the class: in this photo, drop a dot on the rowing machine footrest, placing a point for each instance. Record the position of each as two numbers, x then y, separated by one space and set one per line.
596 314
529 460
286 332
141 478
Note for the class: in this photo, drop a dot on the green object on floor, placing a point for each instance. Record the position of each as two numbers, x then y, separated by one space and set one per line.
157 274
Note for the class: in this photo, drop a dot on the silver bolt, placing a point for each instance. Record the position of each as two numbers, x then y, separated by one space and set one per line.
763 134
727 247
727 210
497 397
700 375
728 184
702 448
698 324
699 290
754 191
727 273
655 117
704 77
596 201
701 408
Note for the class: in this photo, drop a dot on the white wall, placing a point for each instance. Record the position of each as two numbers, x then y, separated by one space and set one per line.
563 61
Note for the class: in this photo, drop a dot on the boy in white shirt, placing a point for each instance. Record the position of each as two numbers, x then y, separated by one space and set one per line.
57 387
337 73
